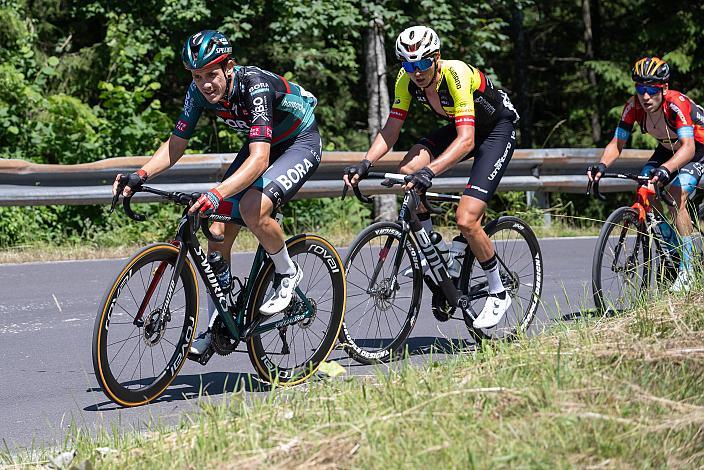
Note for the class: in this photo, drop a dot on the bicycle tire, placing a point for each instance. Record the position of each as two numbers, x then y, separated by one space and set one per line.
314 255
355 341
622 219
524 300
106 328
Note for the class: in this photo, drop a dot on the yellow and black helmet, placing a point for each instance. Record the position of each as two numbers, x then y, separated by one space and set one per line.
649 70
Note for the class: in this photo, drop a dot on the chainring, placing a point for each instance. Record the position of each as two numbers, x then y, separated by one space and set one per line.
441 308
223 344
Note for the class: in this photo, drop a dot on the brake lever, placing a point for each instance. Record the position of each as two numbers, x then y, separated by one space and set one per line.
431 208
208 234
665 197
360 196
116 197
126 201
345 188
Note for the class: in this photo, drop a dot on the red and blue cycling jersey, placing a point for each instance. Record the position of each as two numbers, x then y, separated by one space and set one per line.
681 118
262 104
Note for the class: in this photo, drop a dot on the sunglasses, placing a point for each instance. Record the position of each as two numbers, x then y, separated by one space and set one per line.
422 65
651 90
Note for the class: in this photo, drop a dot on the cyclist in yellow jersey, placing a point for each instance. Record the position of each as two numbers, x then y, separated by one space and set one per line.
481 125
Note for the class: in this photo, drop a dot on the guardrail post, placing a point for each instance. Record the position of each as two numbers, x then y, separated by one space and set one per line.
385 207
540 199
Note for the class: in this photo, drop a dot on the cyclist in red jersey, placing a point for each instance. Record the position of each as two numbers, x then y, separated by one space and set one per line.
678 125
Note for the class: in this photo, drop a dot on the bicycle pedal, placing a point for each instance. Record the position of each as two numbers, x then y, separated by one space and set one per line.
202 359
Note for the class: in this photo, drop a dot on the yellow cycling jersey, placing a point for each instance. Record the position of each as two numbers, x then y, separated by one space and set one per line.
467 97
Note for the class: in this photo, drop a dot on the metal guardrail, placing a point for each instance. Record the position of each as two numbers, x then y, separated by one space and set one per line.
541 170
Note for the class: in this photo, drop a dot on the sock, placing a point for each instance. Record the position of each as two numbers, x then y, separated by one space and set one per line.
282 262
687 253
491 268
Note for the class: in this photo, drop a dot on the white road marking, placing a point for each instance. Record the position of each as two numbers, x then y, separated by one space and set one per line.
56 301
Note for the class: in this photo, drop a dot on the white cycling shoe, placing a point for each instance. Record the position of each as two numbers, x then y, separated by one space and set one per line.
284 284
201 343
493 311
684 281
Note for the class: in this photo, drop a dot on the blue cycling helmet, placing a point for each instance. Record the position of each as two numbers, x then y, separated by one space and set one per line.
205 48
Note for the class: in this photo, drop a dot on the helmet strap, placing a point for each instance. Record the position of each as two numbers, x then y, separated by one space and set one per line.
228 81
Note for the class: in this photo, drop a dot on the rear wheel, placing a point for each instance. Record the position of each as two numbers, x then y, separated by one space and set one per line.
521 271
290 354
138 349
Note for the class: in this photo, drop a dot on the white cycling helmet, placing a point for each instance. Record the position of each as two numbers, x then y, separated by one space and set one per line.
416 43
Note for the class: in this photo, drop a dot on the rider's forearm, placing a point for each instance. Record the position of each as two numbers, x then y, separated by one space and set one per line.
251 169
384 140
612 151
682 156
457 150
166 156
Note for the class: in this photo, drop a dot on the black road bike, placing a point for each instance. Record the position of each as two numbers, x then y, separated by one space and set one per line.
385 279
149 314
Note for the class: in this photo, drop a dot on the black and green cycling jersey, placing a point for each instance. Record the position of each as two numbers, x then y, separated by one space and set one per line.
261 104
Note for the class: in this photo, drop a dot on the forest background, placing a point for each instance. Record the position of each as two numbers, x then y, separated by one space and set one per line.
82 81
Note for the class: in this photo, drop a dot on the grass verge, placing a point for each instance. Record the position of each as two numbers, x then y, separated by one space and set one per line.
338 236
616 392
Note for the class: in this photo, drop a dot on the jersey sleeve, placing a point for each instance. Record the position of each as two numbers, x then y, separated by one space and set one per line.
628 118
192 109
259 100
402 97
681 110
463 80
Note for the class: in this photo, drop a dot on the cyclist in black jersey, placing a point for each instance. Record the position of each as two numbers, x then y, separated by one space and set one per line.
481 125
282 150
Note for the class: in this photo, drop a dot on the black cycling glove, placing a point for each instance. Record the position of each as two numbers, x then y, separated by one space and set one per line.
361 169
663 174
596 169
422 179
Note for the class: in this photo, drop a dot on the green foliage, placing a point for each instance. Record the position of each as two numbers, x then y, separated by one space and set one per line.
90 79
346 216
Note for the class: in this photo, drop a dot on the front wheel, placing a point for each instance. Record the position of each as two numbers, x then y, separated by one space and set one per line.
621 265
138 348
383 298
290 354
521 270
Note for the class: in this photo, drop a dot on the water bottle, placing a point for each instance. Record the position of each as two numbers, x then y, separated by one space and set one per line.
669 235
221 269
440 245
457 252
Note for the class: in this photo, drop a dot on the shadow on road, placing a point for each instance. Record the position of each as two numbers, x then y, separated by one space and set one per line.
186 387
583 314
427 345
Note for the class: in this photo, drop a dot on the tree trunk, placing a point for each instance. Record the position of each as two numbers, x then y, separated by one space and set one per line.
522 88
591 75
385 207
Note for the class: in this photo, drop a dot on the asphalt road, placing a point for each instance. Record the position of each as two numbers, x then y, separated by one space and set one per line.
47 311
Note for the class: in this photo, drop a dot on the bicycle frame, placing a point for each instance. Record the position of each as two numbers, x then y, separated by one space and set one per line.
232 313
411 225
647 216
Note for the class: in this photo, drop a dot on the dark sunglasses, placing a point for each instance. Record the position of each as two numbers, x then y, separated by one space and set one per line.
651 90
422 65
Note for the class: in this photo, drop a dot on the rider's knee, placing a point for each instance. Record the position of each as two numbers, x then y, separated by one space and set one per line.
254 209
469 222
